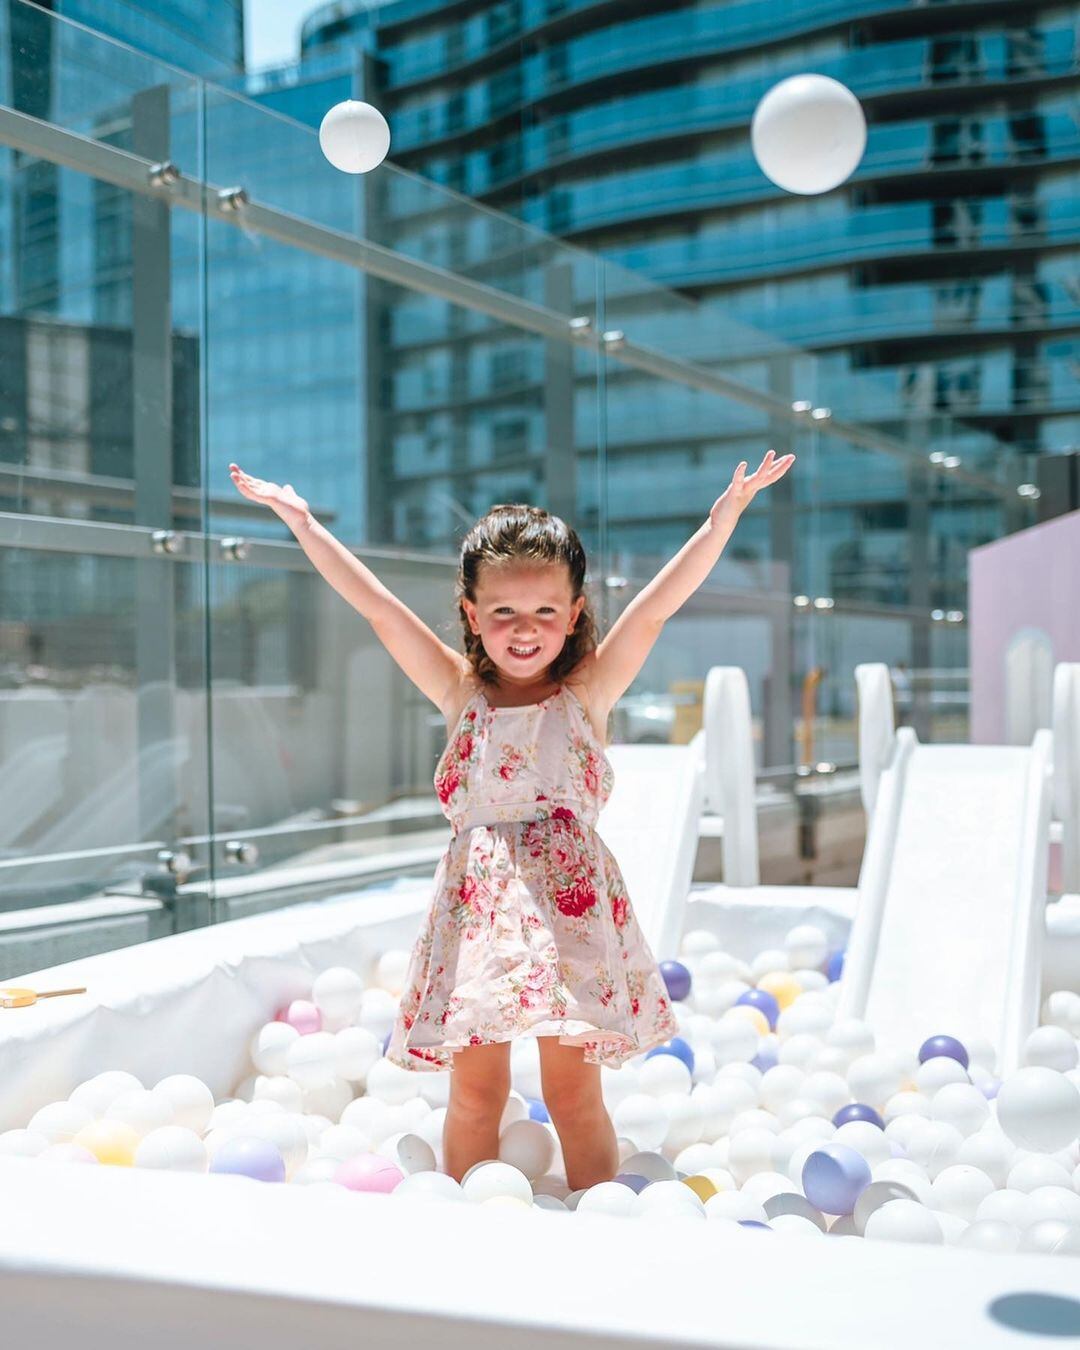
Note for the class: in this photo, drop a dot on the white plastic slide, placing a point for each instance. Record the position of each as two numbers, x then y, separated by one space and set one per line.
949 928
650 823
1066 717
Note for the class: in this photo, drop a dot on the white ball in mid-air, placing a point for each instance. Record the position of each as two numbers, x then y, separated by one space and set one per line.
354 136
808 134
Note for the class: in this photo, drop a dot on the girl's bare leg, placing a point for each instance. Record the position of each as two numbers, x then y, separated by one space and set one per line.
479 1087
572 1096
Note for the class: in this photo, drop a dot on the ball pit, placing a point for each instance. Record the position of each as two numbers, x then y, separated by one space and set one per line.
765 1111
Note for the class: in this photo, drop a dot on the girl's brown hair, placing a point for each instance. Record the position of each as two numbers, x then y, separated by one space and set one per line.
518 533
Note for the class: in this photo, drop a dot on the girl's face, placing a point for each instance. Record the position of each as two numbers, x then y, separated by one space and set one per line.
523 613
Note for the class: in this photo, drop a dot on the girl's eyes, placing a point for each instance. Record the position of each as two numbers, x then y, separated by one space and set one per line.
544 609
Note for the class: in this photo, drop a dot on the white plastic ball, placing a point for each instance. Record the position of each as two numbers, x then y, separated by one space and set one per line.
905 1103
962 1105
804 1017
492 1178
191 1100
751 1151
1006 1206
1039 1109
936 1146
909 1174
60 1122
991 1152
608 1197
391 970
697 941
22 1144
990 1235
939 1072
769 962
315 1171
780 1084
279 1088
310 1060
734 1205
960 1189
1052 1048
97 1094
337 992
270 1046
175 1148
873 1079
721 1101
865 1139
904 1221
1061 1008
142 1110
356 1051
328 1099
430 1186
808 133
1034 1170
409 1152
528 1146
664 1073
1052 1237
851 1035
828 1088
354 136
801 1050
667 1198
806 946
378 1012
642 1118
1055 1202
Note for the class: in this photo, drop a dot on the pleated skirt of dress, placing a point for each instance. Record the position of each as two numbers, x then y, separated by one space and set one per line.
530 932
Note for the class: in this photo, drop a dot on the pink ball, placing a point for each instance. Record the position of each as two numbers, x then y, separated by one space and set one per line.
304 1016
369 1172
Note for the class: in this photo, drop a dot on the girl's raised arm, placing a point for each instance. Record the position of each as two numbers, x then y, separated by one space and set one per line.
622 653
433 667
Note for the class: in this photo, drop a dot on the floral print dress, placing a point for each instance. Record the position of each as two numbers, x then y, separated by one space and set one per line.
530 931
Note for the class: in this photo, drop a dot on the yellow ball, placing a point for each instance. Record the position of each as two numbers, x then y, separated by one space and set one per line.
783 987
754 1016
702 1187
506 1202
110 1141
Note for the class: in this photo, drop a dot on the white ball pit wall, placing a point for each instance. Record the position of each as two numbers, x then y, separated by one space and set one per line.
102 1253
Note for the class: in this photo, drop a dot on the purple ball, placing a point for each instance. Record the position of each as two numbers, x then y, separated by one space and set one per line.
677 1047
947 1046
834 967
833 1178
636 1183
991 1089
386 1041
753 1223
764 1002
246 1156
537 1109
857 1111
677 978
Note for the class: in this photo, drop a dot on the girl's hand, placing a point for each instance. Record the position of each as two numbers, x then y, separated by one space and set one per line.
742 489
291 507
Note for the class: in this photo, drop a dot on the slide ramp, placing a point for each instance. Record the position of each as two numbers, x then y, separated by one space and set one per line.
949 927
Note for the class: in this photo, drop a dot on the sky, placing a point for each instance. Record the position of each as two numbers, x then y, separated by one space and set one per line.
272 30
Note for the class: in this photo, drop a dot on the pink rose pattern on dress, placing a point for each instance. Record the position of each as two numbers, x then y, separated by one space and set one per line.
530 930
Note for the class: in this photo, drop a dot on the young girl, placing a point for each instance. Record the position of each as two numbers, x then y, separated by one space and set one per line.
530 931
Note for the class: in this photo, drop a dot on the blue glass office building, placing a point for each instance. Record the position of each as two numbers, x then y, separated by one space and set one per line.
939 287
